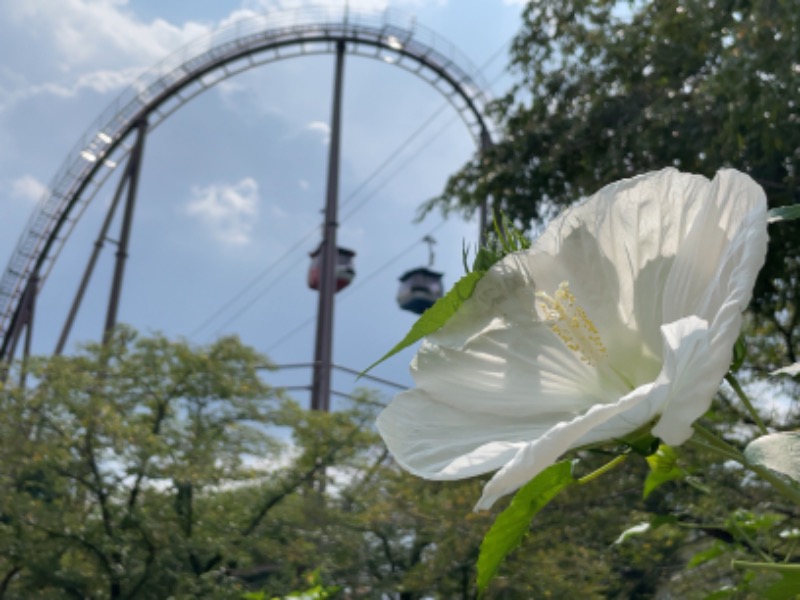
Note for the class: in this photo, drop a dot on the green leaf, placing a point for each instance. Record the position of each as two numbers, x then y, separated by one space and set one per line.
721 594
436 316
663 468
706 555
642 444
784 213
513 523
739 354
778 452
787 587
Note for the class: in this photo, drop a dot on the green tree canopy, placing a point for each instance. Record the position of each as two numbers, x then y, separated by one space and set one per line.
148 469
608 89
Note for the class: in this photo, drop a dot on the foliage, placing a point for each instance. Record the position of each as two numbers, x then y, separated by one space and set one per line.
436 316
511 525
608 90
129 472
145 467
505 239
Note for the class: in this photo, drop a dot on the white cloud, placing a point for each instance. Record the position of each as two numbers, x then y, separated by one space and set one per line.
303 184
322 128
228 210
336 5
83 31
97 45
28 188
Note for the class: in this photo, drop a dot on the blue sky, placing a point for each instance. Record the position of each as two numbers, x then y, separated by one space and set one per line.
236 178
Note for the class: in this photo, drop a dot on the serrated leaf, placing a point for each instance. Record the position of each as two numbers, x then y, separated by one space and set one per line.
663 468
513 523
485 259
784 213
778 452
436 316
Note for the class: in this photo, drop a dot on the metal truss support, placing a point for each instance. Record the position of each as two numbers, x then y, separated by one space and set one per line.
321 383
131 174
486 203
98 247
167 87
24 322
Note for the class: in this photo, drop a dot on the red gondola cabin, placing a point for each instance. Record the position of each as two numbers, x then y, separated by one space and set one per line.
344 272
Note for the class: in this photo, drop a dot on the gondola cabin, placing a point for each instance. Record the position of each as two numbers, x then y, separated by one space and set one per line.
344 272
419 290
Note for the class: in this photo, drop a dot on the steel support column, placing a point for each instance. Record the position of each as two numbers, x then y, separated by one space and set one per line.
321 384
486 204
24 321
98 247
132 175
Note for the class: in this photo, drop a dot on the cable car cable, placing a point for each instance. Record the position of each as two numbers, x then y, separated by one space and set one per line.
358 286
262 293
253 282
391 157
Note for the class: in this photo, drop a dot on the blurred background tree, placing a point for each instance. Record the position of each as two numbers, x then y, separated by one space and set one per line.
144 468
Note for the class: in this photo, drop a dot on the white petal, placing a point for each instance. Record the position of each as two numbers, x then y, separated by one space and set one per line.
624 416
437 441
692 373
497 389
474 406
790 370
685 342
617 247
722 252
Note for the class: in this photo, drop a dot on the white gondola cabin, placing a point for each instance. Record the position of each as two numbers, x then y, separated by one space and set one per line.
344 272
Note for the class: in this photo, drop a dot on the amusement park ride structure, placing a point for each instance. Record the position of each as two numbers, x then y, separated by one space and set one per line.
116 140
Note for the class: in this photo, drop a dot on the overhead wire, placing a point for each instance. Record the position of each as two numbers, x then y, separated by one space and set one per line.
350 290
350 197
361 282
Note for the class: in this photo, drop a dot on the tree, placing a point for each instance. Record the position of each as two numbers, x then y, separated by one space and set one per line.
148 468
608 90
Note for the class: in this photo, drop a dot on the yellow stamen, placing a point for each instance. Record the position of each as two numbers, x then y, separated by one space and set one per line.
569 322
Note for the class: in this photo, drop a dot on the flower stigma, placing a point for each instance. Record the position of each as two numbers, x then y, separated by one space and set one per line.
569 321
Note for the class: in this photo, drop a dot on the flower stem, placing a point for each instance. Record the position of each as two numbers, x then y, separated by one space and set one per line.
604 469
714 450
724 449
734 383
755 547
783 567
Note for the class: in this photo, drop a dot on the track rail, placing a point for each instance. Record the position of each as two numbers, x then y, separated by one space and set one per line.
230 50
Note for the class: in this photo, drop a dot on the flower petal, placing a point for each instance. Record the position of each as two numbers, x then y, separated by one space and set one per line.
684 343
662 265
722 252
691 374
474 406
792 370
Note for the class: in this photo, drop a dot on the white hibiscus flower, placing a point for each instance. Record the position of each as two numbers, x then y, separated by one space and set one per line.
622 315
